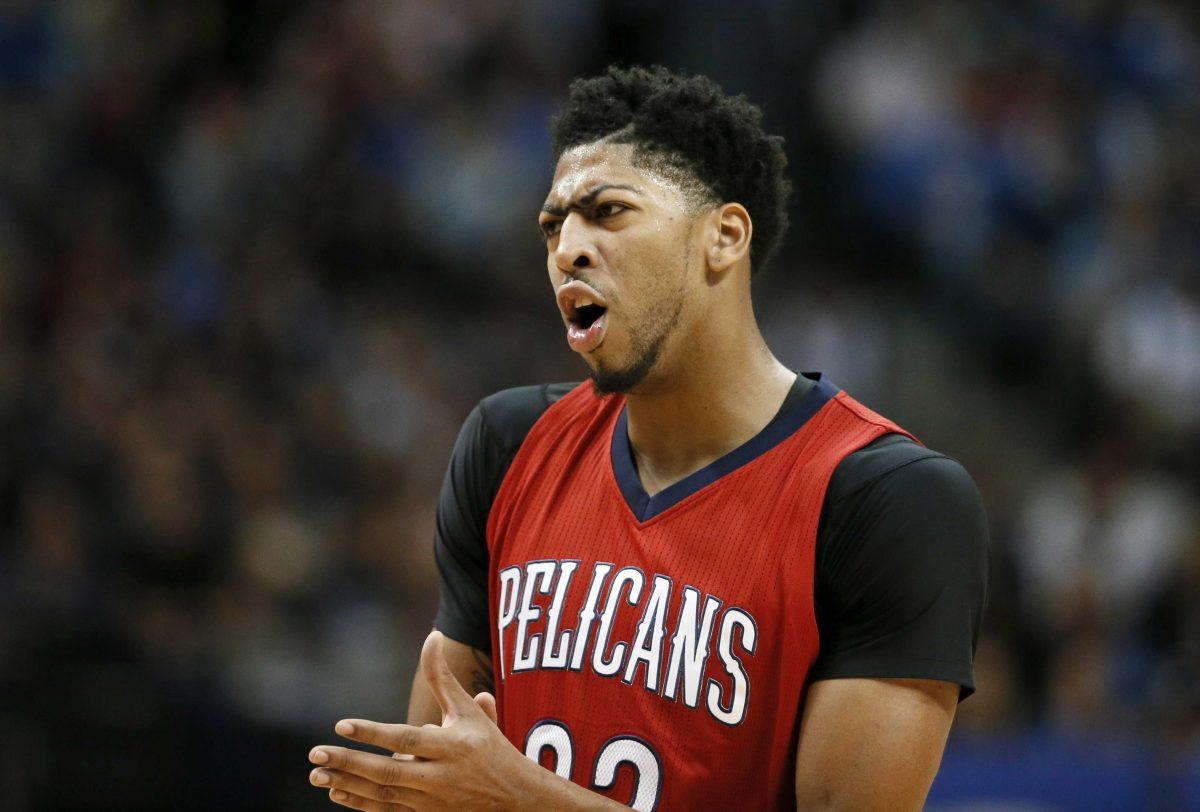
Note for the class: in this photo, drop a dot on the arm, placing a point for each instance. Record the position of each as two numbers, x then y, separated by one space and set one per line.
476 466
472 669
901 579
467 753
486 444
463 763
869 744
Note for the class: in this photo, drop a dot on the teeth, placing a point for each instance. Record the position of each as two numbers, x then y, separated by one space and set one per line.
582 301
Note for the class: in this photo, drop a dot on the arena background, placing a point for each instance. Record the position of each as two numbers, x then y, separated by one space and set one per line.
259 259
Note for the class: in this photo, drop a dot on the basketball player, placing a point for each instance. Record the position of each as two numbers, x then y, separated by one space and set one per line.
698 580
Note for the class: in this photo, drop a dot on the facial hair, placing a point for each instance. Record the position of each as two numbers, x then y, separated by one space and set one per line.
648 345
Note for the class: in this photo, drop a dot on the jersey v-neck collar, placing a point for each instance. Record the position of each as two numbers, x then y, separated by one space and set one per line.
802 402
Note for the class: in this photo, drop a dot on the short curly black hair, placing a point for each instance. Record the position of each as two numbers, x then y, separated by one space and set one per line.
686 125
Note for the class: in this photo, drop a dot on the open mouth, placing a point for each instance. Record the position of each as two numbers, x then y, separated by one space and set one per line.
586 315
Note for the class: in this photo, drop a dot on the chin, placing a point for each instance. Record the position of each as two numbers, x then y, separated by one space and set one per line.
626 378
622 380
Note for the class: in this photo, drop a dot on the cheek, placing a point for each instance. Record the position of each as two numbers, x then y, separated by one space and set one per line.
634 262
655 268
641 305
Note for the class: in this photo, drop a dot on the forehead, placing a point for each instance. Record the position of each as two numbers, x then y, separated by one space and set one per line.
587 166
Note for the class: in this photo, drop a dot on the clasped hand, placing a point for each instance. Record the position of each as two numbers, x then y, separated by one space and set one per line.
464 763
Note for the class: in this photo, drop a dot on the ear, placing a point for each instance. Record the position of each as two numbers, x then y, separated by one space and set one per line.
729 237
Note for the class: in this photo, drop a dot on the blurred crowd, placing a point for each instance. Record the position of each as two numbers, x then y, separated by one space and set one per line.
259 259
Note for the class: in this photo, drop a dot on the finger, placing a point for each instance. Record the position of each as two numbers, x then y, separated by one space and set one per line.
354 785
380 769
346 799
450 696
487 703
426 742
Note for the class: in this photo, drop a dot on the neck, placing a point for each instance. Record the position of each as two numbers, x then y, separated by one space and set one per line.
730 389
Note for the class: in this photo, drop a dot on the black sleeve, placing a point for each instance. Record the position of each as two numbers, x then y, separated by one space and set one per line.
486 445
902 566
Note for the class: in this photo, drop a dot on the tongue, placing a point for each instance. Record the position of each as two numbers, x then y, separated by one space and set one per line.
586 339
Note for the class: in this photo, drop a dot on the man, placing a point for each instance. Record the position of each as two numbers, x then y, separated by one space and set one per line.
698 581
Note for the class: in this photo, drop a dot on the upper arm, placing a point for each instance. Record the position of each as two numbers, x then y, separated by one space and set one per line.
872 744
902 572
483 452
486 444
901 583
460 544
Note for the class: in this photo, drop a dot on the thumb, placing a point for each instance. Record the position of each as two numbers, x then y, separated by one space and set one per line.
450 696
487 703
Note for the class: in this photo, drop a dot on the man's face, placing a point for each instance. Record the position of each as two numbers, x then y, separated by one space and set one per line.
619 244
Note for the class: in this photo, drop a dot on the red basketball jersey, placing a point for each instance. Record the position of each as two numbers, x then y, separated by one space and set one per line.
663 662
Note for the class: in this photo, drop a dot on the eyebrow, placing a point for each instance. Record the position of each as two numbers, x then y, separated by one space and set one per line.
588 199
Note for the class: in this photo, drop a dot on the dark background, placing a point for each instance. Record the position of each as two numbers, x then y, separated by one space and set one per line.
259 259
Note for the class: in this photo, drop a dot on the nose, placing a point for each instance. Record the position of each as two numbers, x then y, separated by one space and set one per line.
575 251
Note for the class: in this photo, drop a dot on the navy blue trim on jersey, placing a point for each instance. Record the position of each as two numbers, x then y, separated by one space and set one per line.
794 413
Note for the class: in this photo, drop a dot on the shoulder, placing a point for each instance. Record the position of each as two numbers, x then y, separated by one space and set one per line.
902 566
890 454
486 446
505 417
894 485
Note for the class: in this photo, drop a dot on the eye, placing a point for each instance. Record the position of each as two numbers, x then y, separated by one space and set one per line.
610 209
549 227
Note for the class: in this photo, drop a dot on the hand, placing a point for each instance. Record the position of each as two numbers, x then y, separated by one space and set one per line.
465 763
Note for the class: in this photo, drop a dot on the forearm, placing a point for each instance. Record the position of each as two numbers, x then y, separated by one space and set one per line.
470 666
422 705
